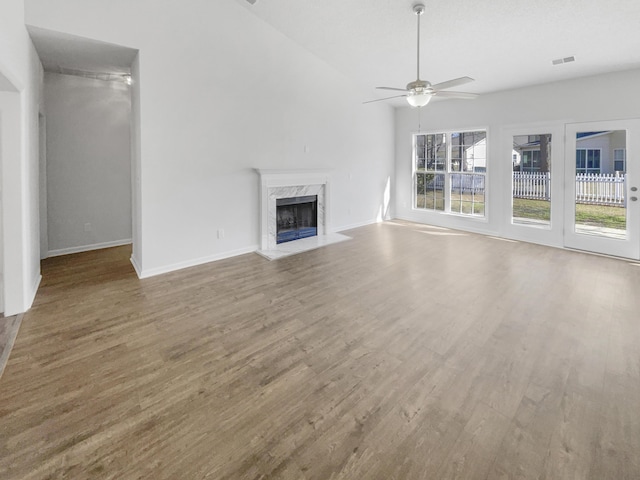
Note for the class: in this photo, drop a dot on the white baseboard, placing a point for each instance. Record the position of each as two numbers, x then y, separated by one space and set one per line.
29 298
32 294
357 225
469 226
87 248
10 340
136 266
152 272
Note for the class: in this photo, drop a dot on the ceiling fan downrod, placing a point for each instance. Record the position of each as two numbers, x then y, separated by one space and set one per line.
419 92
418 9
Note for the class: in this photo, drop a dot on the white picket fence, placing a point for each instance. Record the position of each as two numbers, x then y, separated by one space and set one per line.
465 183
598 189
532 185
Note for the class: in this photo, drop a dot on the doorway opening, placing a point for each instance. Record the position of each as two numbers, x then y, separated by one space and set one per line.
88 185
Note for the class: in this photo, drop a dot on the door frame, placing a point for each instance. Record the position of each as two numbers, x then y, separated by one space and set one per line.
544 235
628 247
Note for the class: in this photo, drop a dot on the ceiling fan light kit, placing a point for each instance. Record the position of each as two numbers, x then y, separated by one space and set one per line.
418 99
419 92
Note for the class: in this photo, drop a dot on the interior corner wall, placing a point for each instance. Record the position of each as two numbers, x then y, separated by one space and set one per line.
222 93
19 105
88 163
10 150
551 105
136 193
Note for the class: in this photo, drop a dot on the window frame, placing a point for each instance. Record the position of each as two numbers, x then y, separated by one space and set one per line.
535 160
448 172
586 168
624 159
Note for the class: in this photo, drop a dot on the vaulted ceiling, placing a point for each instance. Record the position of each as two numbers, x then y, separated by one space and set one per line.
69 54
503 44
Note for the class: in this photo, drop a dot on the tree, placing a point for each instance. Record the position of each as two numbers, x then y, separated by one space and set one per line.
545 152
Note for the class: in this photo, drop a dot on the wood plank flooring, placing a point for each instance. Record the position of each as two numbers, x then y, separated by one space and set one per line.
409 352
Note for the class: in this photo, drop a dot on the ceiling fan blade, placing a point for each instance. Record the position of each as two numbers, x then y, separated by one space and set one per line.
452 83
419 91
469 96
392 88
381 99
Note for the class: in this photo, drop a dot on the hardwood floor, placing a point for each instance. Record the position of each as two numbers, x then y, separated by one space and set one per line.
409 352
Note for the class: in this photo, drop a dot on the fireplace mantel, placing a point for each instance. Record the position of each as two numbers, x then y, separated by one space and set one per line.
285 183
275 177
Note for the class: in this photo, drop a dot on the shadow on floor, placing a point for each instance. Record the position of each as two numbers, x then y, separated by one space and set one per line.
8 331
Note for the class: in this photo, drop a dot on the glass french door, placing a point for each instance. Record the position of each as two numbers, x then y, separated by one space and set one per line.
531 180
602 207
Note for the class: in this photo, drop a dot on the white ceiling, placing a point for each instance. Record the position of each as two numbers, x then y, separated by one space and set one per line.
64 53
503 44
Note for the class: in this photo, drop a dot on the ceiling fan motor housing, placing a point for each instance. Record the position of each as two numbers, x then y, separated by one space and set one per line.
418 86
419 92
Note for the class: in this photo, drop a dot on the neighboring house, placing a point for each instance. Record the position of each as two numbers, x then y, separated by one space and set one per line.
526 153
601 152
596 152
516 158
475 157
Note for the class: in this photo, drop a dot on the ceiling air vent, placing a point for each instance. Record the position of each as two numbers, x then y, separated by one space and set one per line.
560 61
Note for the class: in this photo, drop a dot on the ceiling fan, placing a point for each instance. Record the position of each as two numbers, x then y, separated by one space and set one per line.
419 92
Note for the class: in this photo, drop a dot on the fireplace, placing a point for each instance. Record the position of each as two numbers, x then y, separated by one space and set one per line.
294 205
296 218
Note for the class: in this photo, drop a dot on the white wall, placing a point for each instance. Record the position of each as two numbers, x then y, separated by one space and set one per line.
88 163
533 110
221 92
42 183
136 191
19 105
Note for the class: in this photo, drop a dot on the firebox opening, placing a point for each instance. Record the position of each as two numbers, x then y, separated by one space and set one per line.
296 217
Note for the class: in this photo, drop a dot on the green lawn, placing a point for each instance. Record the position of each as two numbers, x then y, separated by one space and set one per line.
595 215
532 209
465 203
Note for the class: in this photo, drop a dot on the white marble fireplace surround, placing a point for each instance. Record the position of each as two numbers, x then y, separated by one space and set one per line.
275 184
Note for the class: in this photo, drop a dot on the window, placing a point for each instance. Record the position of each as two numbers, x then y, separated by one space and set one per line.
587 160
530 161
618 160
531 181
430 157
449 172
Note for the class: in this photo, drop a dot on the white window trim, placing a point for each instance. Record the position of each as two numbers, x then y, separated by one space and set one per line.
447 172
